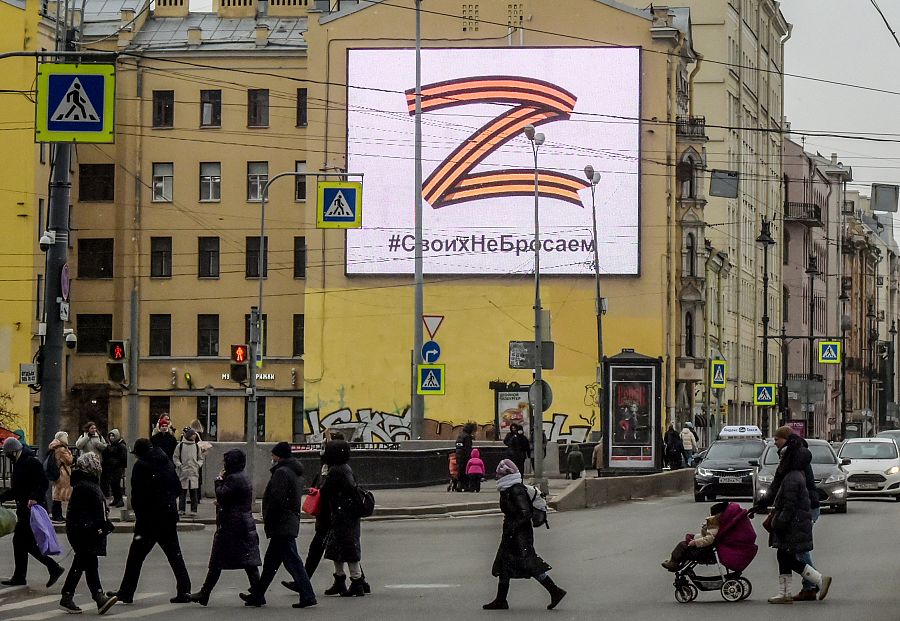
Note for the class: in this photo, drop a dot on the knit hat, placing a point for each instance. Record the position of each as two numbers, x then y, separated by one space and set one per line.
11 445
62 436
784 432
189 434
282 450
142 447
90 463
505 467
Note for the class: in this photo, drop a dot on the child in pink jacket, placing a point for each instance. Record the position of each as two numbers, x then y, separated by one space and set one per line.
475 470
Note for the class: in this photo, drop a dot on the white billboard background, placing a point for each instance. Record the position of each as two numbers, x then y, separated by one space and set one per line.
606 82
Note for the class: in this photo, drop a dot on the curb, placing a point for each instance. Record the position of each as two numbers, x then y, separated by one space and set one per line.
128 527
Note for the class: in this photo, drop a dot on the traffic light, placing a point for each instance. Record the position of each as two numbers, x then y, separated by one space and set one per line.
240 359
117 363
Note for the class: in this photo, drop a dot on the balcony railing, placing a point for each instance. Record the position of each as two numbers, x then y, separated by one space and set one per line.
691 126
806 213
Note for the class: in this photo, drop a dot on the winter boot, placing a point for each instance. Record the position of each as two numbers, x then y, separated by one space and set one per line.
200 597
366 586
499 602
339 587
104 602
56 572
556 593
356 588
784 590
823 582
67 603
806 595
290 586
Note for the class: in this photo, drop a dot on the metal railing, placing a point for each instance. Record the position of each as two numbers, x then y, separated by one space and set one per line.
691 126
803 212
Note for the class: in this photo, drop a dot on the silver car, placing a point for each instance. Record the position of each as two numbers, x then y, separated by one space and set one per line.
831 478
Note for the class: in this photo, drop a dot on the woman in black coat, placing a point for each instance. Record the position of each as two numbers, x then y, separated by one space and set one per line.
791 529
338 499
236 542
516 557
518 448
87 525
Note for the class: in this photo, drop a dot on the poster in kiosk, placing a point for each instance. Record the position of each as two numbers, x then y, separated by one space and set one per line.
631 417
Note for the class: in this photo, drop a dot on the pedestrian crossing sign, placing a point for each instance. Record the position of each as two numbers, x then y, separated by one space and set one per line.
717 374
763 394
430 379
339 205
75 103
830 352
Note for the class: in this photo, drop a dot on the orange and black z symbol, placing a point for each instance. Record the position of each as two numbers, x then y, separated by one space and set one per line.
536 102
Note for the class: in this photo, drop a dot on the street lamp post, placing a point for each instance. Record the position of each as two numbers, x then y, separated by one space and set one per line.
873 338
537 395
765 238
812 270
845 326
594 178
417 415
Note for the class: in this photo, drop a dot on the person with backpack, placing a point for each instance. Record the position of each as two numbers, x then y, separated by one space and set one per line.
340 498
188 459
516 557
574 461
475 471
58 468
281 521
674 448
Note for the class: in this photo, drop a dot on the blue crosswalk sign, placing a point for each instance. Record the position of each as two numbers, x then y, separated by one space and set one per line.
339 205
763 394
431 379
830 352
75 103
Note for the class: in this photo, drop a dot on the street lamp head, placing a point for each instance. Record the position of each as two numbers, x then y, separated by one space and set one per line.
589 172
844 296
765 235
893 330
812 269
529 132
539 139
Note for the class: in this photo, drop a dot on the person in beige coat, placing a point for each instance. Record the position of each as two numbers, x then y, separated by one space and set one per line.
62 487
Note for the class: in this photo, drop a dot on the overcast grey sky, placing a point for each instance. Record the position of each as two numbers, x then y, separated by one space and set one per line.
845 40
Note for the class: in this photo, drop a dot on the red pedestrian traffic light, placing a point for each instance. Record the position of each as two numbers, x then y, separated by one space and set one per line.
239 354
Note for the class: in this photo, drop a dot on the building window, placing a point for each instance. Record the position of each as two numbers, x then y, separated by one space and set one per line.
94 333
689 335
300 182
302 99
210 108
210 181
160 335
208 415
252 268
96 182
299 328
691 255
297 420
257 176
207 335
257 107
163 179
160 257
208 253
163 108
158 407
264 337
786 248
299 257
95 258
687 174
260 418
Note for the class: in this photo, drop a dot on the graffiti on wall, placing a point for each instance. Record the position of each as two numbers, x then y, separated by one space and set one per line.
554 429
370 425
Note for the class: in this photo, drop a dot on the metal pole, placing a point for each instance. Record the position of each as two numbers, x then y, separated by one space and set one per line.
133 369
765 321
538 396
784 358
812 317
594 178
417 419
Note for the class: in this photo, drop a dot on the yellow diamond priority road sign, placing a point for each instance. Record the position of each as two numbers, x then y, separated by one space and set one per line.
75 103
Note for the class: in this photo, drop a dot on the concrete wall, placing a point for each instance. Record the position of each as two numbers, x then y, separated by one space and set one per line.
586 493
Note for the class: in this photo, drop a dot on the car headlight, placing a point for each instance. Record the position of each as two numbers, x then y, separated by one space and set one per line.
893 470
837 477
765 478
703 472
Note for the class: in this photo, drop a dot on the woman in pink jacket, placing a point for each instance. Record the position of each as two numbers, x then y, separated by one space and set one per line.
475 471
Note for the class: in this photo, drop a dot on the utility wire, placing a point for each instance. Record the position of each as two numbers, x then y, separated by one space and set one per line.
886 22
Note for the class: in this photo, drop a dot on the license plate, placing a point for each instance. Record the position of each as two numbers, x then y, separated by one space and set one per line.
729 479
867 486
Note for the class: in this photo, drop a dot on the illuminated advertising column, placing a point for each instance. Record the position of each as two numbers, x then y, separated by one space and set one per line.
632 433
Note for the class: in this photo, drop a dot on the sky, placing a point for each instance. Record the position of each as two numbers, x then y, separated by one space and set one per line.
845 40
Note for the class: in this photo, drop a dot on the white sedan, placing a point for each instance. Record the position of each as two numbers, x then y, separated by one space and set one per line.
874 468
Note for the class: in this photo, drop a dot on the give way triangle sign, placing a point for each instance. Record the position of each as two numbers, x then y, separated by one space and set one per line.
432 323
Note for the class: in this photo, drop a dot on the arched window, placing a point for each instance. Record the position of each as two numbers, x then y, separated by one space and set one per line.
786 247
687 175
689 335
691 255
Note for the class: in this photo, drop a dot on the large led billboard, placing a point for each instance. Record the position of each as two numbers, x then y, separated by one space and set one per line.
478 166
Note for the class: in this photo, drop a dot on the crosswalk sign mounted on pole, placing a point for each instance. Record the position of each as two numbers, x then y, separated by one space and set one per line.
339 205
75 103
830 352
717 374
763 394
430 379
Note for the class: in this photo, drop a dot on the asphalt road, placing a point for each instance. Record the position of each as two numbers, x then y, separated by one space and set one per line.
608 559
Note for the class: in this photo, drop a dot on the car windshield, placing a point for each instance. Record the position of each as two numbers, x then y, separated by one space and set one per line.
869 450
821 454
734 450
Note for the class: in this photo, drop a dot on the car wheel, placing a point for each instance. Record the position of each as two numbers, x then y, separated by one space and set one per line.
840 508
699 497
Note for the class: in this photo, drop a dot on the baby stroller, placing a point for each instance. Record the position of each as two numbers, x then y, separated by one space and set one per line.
732 552
453 485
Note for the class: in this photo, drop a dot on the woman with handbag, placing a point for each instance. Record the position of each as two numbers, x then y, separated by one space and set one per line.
236 542
87 525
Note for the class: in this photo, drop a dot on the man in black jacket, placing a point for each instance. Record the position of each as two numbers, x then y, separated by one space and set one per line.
281 521
115 460
154 490
29 488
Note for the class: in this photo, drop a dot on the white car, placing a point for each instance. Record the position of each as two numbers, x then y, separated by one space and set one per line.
874 468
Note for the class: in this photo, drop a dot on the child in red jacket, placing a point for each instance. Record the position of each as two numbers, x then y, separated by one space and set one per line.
475 471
